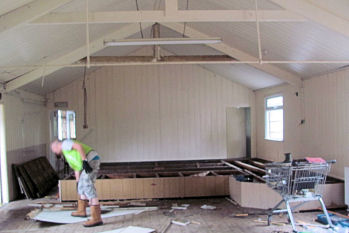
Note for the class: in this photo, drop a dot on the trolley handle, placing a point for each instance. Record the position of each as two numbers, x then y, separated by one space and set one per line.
331 161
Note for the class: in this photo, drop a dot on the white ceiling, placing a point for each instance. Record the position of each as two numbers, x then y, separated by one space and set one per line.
39 44
9 5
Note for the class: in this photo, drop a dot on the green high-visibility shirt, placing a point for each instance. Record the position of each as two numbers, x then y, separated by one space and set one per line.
72 156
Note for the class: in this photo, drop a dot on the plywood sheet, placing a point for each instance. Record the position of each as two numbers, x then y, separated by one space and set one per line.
64 216
130 229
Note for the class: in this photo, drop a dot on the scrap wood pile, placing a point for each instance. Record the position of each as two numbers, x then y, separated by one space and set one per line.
35 177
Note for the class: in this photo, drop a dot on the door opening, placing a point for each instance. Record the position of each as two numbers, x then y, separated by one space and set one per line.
238 132
4 194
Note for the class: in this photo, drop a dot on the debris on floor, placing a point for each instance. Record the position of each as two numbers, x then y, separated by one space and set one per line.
336 220
231 201
208 207
181 222
166 227
273 223
64 216
181 207
195 222
202 174
242 215
130 229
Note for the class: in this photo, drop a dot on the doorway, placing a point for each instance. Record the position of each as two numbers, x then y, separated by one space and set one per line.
238 132
4 194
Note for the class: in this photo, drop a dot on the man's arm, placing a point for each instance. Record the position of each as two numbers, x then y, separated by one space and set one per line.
77 175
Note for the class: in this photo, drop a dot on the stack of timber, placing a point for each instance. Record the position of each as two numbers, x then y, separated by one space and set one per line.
35 177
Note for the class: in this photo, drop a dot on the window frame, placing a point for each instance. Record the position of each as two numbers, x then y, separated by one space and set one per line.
68 129
266 124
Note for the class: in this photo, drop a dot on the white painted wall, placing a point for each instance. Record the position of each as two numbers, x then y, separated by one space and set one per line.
26 125
325 108
274 150
144 113
26 120
326 132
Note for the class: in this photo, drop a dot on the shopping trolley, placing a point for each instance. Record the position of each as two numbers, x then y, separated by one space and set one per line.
300 182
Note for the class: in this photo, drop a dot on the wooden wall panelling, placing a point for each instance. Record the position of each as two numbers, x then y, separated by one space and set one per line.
175 112
162 187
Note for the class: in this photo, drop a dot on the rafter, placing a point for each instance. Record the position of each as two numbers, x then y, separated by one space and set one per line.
316 13
29 12
170 16
72 56
239 55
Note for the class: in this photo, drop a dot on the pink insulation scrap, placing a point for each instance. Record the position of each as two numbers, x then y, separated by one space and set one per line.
315 160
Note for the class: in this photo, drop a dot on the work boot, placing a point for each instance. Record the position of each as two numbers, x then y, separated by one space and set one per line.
81 212
95 215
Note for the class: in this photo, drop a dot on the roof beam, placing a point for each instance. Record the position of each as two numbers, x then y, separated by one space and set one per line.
239 55
72 56
7 6
151 60
29 12
317 14
171 7
170 16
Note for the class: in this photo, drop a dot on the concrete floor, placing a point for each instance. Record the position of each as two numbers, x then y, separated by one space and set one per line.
12 219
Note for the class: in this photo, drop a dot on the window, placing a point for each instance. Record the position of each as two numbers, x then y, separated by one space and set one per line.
65 124
274 118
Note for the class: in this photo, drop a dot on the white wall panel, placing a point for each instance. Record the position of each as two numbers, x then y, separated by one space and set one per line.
26 121
274 150
149 113
27 130
325 133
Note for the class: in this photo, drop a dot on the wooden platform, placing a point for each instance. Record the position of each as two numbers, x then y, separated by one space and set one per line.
179 179
139 188
259 195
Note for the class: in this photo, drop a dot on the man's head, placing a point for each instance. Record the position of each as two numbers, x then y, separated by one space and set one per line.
56 147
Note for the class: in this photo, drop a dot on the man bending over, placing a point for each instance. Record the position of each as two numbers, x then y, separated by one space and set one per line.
85 163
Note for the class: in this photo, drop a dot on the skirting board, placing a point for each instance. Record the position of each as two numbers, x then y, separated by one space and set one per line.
260 196
162 187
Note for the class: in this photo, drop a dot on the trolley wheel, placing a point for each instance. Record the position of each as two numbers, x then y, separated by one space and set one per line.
269 220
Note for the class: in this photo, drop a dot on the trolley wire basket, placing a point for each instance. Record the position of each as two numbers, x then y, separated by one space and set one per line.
299 181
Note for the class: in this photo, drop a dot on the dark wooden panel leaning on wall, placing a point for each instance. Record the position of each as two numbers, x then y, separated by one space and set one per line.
20 156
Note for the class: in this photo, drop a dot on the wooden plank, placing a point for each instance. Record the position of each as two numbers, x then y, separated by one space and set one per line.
250 167
72 56
22 183
239 55
258 164
67 189
35 176
161 17
28 181
29 12
244 171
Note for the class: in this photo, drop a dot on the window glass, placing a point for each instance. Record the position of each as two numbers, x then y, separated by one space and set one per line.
66 124
274 118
